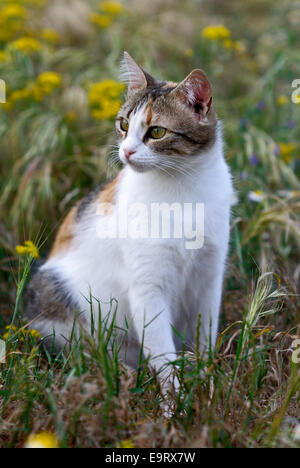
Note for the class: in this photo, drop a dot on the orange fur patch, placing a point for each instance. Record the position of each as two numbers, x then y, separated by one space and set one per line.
170 84
107 195
65 234
150 114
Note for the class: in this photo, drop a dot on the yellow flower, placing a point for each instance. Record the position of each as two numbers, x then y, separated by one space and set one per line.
3 56
13 11
216 32
9 328
105 89
19 95
103 21
71 116
50 35
112 8
45 84
28 249
12 18
34 334
239 46
282 100
42 440
126 444
286 150
228 44
27 45
235 45
48 81
104 99
189 52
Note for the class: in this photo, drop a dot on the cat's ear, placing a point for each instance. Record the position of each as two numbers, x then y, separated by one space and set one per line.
196 91
134 76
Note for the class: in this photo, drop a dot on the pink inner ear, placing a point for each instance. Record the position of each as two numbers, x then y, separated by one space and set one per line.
198 90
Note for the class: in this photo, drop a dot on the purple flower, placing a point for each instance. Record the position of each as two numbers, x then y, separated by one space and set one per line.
291 124
277 150
254 160
243 175
261 105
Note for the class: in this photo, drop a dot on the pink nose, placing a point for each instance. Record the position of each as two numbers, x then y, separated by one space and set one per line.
128 153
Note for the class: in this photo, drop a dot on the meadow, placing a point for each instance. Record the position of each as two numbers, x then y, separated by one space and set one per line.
60 62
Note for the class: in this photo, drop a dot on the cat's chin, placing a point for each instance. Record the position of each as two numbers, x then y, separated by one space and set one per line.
140 168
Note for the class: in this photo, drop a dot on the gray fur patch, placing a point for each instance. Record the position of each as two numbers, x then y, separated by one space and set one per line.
85 203
48 298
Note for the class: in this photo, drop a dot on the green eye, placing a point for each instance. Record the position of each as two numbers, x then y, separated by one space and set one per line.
124 124
157 132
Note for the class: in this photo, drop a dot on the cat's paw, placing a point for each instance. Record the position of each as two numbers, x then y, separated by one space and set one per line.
170 387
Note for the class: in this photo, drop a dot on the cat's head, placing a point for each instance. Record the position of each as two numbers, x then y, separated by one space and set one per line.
163 123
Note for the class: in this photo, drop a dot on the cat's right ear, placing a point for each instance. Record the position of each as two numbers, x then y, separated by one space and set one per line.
134 76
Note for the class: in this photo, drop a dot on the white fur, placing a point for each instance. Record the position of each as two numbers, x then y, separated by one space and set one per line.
131 74
159 279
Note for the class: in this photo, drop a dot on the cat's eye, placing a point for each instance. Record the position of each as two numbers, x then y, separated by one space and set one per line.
124 124
157 133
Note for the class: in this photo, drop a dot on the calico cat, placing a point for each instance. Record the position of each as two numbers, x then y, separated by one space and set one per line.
170 143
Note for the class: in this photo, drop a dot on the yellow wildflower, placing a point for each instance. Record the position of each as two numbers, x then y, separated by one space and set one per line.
104 99
109 109
286 150
48 81
126 444
34 334
112 8
239 46
42 440
71 116
103 21
27 45
6 106
28 249
12 18
189 52
50 35
282 100
228 44
216 32
36 91
13 11
3 56
45 84
235 45
9 329
19 95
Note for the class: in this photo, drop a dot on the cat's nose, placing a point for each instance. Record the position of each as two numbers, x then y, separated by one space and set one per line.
128 153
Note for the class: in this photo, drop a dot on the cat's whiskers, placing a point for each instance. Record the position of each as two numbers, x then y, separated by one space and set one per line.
179 168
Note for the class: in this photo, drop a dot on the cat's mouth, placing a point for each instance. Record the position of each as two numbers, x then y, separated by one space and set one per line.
139 166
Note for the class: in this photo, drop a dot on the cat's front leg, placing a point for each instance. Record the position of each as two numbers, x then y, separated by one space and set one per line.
152 322
203 297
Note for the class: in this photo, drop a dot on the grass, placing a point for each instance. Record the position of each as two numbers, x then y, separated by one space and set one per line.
54 149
